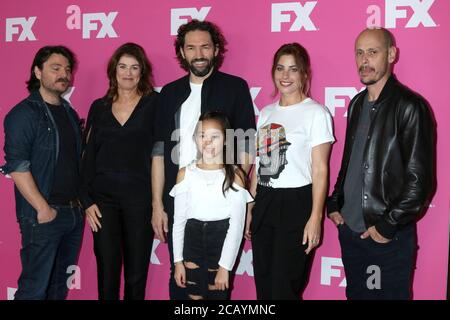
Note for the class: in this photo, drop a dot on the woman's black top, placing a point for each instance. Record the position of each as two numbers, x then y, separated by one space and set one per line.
116 163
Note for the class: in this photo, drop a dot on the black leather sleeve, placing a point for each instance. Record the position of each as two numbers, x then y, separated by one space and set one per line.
417 145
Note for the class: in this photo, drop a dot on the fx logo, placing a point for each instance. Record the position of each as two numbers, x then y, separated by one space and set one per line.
396 9
334 97
245 263
153 257
91 22
68 94
10 292
181 16
20 26
331 268
254 91
284 12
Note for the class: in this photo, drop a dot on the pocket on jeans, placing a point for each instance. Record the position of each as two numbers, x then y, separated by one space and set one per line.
380 244
50 221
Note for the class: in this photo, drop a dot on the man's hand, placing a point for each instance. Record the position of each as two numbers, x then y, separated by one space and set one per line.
93 216
46 215
160 222
373 233
337 218
26 185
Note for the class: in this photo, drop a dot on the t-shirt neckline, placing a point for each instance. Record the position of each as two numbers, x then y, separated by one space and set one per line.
291 106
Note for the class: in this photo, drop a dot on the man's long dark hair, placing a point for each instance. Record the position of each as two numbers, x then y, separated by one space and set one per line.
230 169
42 56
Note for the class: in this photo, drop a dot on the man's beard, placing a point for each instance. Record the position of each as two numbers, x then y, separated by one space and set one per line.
202 72
373 80
369 82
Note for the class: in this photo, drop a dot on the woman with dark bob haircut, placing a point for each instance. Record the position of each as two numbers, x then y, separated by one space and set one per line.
116 167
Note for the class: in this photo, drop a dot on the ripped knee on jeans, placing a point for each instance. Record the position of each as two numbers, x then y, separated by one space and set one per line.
191 265
192 280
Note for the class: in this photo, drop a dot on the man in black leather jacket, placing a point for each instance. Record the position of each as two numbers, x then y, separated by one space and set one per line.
386 176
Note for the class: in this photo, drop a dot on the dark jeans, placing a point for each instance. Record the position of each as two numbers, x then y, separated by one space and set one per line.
203 243
127 235
363 258
48 249
280 263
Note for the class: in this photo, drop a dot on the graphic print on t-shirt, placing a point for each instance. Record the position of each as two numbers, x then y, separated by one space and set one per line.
271 149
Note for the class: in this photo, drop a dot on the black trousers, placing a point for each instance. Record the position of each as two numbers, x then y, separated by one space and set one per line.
203 243
377 271
175 292
126 236
280 263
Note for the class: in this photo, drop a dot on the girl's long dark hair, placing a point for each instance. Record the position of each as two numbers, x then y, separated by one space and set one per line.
230 169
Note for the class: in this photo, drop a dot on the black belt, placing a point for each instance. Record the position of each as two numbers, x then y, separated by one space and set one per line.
71 203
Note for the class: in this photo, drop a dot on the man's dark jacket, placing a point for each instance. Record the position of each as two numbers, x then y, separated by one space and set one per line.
398 161
32 145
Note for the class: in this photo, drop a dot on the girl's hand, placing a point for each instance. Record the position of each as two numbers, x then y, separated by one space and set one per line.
180 274
311 234
221 281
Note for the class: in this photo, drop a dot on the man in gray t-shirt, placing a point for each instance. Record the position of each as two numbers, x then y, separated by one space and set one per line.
352 209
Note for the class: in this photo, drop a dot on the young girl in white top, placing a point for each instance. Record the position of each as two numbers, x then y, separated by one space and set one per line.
290 179
209 219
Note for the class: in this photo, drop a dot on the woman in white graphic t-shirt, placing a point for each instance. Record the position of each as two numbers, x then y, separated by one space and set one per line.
289 180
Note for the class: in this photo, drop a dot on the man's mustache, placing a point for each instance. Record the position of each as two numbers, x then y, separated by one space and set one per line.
199 60
365 67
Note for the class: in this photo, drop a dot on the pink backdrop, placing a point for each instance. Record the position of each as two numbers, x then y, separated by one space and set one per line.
254 30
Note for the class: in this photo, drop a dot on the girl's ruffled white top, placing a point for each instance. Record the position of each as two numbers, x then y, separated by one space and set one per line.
199 196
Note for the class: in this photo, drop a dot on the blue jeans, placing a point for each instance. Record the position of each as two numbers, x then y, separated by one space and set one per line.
363 258
48 249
